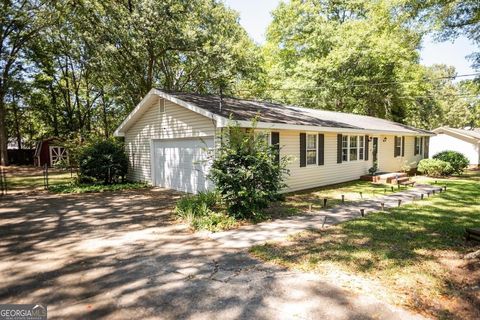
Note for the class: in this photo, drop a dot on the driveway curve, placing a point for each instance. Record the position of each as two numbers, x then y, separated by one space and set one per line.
120 256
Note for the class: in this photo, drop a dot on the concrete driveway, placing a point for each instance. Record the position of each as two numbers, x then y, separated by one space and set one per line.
120 256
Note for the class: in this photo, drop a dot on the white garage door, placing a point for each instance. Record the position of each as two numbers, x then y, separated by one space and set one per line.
181 164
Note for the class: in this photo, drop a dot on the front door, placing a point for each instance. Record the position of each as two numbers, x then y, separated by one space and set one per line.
375 149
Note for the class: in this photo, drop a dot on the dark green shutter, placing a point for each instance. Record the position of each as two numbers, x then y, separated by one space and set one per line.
339 148
395 153
276 145
303 149
427 145
321 149
403 146
416 142
365 151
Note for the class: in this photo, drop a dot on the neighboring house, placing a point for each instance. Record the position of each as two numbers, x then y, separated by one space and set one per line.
466 142
166 135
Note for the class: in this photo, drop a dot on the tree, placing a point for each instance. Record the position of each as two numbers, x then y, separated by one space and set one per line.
351 56
94 62
21 21
448 19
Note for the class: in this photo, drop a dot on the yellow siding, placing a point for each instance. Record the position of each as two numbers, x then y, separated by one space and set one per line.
387 161
314 175
179 122
176 122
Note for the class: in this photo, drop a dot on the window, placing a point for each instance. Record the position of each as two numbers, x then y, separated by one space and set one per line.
418 145
344 148
398 146
361 147
311 149
353 148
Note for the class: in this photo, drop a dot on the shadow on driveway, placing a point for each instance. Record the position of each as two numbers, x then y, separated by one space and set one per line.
120 256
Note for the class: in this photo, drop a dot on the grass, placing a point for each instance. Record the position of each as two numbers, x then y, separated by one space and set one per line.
300 202
35 181
87 188
415 251
204 211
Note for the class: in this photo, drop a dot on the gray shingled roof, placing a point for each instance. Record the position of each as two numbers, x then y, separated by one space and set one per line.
241 109
475 133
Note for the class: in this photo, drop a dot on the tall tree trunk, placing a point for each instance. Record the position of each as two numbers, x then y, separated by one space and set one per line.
105 117
3 131
16 116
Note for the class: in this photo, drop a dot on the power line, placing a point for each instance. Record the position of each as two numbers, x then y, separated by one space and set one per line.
368 84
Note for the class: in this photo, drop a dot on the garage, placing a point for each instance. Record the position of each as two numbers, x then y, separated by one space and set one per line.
181 164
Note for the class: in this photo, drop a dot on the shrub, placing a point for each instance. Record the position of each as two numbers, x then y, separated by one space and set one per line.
203 211
457 160
247 172
435 167
104 161
373 169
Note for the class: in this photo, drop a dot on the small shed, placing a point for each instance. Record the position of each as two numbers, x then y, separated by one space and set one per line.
50 151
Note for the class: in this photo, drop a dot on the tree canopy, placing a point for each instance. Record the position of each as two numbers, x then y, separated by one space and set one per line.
74 69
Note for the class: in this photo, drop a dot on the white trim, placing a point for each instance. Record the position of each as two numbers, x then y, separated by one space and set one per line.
307 149
278 126
449 130
152 163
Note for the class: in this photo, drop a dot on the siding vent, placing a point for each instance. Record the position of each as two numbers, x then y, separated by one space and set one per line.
161 105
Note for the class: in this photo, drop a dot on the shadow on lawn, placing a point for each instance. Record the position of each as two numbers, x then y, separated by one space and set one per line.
117 255
418 238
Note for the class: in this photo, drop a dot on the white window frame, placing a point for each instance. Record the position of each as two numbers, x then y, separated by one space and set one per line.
307 149
347 148
361 147
418 145
355 138
400 146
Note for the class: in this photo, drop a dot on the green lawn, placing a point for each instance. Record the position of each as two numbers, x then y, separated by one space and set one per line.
28 178
300 202
414 251
36 180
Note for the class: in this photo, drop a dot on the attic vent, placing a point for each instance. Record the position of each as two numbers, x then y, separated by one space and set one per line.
161 105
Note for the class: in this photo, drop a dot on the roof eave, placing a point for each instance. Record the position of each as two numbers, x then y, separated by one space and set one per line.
284 126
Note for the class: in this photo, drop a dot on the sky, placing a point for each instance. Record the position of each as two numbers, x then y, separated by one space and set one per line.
255 17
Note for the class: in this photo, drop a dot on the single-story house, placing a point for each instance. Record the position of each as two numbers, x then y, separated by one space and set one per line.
464 141
167 132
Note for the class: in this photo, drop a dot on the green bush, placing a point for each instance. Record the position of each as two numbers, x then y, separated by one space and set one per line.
104 161
203 211
434 167
457 160
247 173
